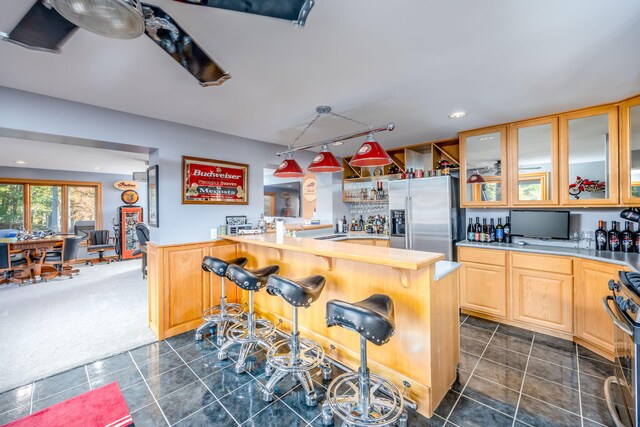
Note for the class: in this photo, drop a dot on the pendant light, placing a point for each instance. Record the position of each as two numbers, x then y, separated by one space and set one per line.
476 178
370 154
289 168
325 161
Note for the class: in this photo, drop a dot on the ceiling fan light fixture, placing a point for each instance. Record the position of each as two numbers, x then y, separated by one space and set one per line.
325 162
289 168
370 154
457 114
120 19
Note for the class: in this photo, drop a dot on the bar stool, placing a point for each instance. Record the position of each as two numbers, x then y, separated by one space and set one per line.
296 356
360 398
252 331
221 315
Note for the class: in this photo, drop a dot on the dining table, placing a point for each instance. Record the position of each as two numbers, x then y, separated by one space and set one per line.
34 252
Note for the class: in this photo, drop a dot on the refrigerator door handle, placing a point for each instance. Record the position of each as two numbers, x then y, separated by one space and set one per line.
409 223
407 229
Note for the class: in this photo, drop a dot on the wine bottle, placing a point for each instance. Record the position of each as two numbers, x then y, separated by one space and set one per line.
614 237
636 240
507 231
499 231
470 231
361 224
601 237
492 232
483 233
626 238
477 230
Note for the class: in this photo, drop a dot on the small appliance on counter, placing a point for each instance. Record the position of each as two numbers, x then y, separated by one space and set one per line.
237 223
625 296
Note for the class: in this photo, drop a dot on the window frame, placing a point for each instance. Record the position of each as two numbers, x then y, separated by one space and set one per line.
26 202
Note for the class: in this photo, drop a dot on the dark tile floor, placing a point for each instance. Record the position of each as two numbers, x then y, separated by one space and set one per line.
507 376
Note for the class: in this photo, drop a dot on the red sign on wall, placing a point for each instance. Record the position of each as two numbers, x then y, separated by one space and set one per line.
207 181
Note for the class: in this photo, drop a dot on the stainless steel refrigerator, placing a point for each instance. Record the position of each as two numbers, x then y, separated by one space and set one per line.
425 215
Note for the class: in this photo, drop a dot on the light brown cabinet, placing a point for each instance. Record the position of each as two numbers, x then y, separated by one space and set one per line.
630 151
592 322
483 284
542 298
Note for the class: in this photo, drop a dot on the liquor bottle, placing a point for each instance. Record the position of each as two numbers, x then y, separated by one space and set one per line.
507 231
373 194
626 238
601 237
614 237
470 231
636 240
411 174
338 225
499 231
492 232
361 224
477 230
483 233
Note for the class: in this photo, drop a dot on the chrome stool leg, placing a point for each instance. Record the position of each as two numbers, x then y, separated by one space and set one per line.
220 317
296 356
363 399
248 334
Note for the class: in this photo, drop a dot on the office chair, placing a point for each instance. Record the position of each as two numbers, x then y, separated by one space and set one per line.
142 232
61 260
99 241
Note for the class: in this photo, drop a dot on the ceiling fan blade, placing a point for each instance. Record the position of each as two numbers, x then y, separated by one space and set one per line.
166 33
42 28
296 11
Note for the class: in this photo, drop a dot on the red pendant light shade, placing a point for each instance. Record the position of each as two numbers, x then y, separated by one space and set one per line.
370 154
475 178
325 162
289 168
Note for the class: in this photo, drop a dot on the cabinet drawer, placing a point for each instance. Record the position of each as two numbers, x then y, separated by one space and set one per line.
555 264
482 256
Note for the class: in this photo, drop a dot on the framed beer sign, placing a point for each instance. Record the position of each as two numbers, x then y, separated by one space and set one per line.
214 182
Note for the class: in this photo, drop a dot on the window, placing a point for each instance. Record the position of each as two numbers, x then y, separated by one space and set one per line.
11 206
51 205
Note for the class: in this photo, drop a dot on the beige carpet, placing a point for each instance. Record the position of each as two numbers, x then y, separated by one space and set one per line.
53 326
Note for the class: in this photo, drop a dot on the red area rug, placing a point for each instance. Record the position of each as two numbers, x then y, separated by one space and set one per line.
102 407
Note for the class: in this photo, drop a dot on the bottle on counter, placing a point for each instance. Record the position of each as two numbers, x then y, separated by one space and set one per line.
412 174
614 237
507 231
477 230
262 224
470 231
636 240
483 233
361 224
492 232
338 227
601 237
499 231
626 238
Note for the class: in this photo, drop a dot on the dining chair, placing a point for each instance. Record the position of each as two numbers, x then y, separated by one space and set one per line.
62 260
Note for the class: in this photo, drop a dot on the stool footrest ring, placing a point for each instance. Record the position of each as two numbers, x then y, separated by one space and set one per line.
213 314
386 405
239 333
310 356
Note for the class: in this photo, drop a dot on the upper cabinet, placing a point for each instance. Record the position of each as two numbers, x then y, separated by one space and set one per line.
589 157
533 150
630 151
483 167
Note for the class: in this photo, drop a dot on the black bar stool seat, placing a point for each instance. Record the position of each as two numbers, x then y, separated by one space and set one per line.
220 315
296 356
253 331
372 318
363 399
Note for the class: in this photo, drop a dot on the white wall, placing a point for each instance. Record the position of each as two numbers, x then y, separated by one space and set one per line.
26 111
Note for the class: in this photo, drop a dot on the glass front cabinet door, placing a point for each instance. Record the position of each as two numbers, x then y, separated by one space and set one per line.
589 157
533 150
483 168
630 151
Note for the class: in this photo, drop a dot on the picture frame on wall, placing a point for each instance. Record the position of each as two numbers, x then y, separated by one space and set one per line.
152 196
214 182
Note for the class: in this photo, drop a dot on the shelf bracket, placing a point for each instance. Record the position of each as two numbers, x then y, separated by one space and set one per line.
329 261
404 277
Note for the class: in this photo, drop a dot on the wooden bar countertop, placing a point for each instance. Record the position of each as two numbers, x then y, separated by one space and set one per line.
391 257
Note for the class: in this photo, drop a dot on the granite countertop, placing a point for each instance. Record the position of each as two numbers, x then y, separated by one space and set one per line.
631 260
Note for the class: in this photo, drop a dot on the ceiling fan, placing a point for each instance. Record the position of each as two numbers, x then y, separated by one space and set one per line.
50 23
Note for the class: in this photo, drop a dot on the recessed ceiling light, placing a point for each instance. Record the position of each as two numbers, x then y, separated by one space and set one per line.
457 115
97 168
338 143
20 162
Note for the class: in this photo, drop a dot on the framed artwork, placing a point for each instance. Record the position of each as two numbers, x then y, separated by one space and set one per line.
214 182
152 196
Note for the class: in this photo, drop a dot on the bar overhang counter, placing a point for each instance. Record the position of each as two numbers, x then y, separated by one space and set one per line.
425 349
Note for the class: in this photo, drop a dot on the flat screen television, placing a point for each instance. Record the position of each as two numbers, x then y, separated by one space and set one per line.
540 224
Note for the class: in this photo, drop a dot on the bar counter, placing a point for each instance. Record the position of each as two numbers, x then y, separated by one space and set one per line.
424 350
